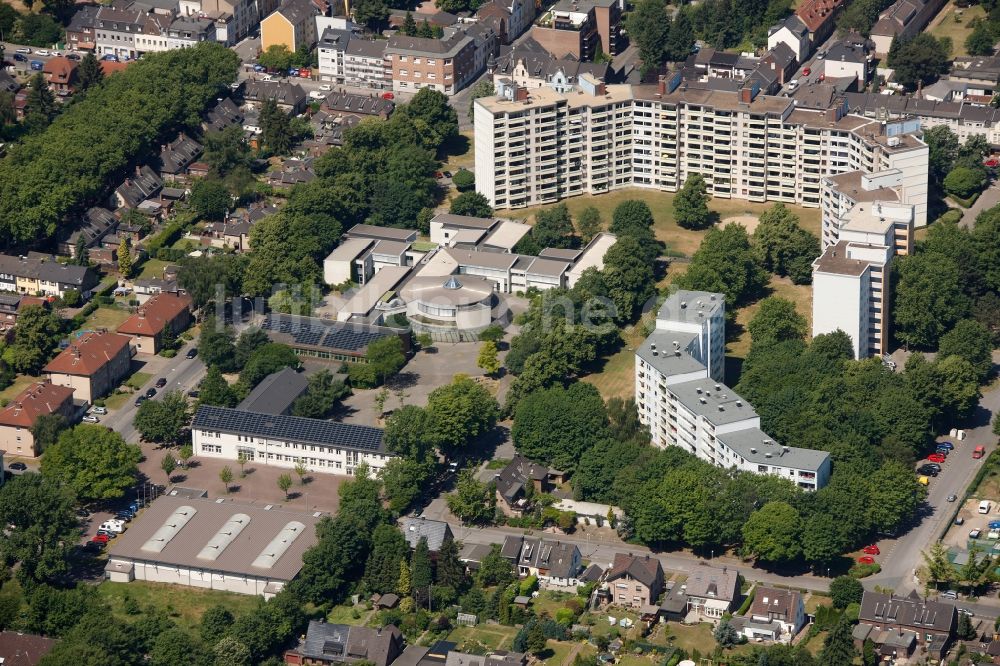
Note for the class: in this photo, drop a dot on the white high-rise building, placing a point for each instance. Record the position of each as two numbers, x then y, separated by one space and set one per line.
539 146
681 398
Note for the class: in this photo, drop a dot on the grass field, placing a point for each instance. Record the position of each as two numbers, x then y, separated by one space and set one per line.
184 604
105 317
20 383
801 295
138 379
558 652
493 636
661 203
153 268
957 30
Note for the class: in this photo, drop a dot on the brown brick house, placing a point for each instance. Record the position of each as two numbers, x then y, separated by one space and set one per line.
153 318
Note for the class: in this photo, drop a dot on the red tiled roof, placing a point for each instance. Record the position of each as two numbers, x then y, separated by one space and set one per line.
59 69
109 67
153 316
32 402
88 354
814 13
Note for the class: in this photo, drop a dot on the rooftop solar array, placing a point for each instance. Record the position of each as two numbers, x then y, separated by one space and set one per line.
319 333
289 428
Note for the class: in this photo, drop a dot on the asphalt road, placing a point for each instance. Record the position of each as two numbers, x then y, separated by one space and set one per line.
181 373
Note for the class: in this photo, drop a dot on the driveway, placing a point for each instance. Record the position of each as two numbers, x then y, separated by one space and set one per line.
989 198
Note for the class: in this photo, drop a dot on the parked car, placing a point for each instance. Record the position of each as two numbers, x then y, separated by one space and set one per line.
112 525
326 87
930 469
99 410
979 452
194 393
949 594
42 52
952 497
807 71
974 534
945 445
73 56
82 513
994 525
20 57
871 550
866 559
17 467
107 533
959 520
388 96
101 539
924 481
936 458
191 353
94 546
90 418
110 57
161 382
141 399
150 392
447 174
24 49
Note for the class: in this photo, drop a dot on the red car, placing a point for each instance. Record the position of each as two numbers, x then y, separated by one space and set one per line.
806 72
101 538
872 550
866 559
388 96
979 452
936 458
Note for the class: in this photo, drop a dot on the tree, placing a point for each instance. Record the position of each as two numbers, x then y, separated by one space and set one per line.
89 73
942 149
628 277
175 646
407 433
404 480
472 204
556 426
403 587
783 247
40 105
776 320
919 60
965 630
36 335
41 526
231 652
215 390
168 464
276 56
435 121
45 430
589 223
772 533
487 360
483 88
846 590
227 151
96 463
450 571
320 397
276 128
210 199
838 646
649 26
125 257
536 639
284 483
386 356
972 341
631 217
267 360
163 421
963 181
939 569
389 549
184 455
553 228
724 263
460 412
250 340
409 27
680 39
981 40
421 571
929 299
725 634
226 476
301 471
691 204
472 502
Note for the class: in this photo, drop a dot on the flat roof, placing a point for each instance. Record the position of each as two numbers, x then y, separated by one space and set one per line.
205 520
289 428
593 255
560 253
836 260
665 361
455 290
381 233
717 405
465 221
756 446
349 249
490 260
850 184
507 234
684 306
549 267
367 297
322 334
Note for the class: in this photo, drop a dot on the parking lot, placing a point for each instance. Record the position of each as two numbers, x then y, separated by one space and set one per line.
958 536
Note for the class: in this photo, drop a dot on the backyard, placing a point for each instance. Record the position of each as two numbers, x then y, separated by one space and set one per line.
106 317
184 604
956 23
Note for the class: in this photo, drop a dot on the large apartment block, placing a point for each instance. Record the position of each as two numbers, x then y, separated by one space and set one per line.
539 146
681 398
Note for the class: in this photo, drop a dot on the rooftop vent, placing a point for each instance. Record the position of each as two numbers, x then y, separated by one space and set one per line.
452 283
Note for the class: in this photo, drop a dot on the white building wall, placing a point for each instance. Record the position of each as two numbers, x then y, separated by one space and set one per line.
839 302
486 168
194 577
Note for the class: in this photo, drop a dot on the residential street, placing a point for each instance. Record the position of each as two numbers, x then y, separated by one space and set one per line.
989 198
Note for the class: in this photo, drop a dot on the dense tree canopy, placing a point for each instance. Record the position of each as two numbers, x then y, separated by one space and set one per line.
43 525
95 462
556 425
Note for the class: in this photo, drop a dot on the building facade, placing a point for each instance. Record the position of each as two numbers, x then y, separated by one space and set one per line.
682 400
20 414
540 146
446 65
92 365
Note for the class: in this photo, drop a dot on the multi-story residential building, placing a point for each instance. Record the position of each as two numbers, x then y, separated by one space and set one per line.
904 18
343 645
446 65
44 276
92 365
539 146
681 399
897 625
285 441
865 224
20 414
511 17
364 64
849 58
135 189
160 316
819 17
291 25
578 28
234 19
557 565
290 97
60 74
793 33
330 54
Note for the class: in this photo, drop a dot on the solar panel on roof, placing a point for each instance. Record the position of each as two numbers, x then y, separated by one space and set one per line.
292 428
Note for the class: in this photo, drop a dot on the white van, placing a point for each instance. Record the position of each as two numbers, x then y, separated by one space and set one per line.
116 526
984 507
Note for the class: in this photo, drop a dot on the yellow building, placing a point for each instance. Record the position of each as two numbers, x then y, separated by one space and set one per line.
291 25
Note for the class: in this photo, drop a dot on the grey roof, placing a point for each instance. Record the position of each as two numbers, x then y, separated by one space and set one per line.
381 233
275 393
289 429
80 277
550 267
367 48
8 82
288 94
206 521
910 612
847 51
222 115
297 11
444 48
435 531
473 553
411 656
718 406
781 54
560 253
342 643
465 221
592 574
709 582
495 658
363 105
658 351
793 23
488 260
756 446
560 560
335 39
139 186
512 478
178 154
647 570
686 306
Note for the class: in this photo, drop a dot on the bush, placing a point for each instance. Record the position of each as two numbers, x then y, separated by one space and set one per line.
464 180
528 585
864 570
950 216
963 182
362 375
168 353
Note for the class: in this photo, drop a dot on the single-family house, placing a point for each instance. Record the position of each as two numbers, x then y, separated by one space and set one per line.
60 74
712 592
142 185
326 643
557 565
290 97
437 532
928 624
513 481
775 615
634 581
177 156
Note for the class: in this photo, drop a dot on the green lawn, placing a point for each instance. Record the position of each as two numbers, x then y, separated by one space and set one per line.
184 604
138 380
105 317
956 24
801 295
548 602
661 204
493 636
117 400
558 650
814 601
153 268
20 383
345 615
